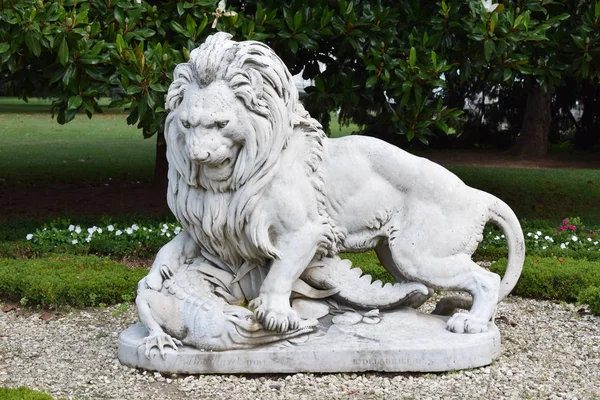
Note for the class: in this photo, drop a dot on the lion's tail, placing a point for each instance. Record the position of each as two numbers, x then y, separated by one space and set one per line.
502 216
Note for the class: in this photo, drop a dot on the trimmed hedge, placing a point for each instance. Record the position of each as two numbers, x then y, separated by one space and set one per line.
100 247
551 278
591 296
22 393
79 281
497 253
558 278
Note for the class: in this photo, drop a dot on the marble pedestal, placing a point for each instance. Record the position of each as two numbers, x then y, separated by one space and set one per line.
404 340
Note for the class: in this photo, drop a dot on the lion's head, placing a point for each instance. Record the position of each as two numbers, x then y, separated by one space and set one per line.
231 109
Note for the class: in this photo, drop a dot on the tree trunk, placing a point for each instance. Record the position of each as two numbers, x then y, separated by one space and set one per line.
533 140
588 132
161 165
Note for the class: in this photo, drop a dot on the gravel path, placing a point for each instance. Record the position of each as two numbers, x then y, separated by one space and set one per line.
549 351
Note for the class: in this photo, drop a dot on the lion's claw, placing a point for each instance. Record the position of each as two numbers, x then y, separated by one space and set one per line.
278 317
466 323
160 341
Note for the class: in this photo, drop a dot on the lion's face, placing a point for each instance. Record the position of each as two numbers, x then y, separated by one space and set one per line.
214 125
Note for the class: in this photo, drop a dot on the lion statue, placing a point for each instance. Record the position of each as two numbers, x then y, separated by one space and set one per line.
261 192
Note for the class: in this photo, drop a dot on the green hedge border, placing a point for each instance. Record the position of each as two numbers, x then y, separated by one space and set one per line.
61 280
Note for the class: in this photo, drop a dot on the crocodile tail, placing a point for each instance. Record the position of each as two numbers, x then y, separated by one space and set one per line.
349 286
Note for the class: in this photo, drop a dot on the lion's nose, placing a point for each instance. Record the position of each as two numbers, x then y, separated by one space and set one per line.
202 157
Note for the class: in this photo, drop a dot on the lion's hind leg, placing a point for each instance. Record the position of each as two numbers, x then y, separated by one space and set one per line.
455 272
484 286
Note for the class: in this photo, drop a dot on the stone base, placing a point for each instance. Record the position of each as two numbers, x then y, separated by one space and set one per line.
404 340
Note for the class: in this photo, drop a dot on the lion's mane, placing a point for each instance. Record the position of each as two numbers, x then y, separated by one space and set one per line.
219 214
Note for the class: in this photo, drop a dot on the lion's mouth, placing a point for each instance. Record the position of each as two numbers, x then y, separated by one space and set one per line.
220 165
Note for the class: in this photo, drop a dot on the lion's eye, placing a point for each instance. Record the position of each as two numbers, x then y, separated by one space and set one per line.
185 124
221 124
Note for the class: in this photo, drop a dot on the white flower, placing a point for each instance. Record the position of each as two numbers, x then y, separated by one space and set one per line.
77 229
589 239
129 231
502 236
536 237
110 228
74 241
538 233
595 243
118 233
574 238
529 234
135 227
544 247
92 229
497 238
168 234
177 230
563 245
489 7
99 230
71 228
30 236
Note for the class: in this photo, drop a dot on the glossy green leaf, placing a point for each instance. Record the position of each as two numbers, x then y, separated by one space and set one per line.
63 52
158 87
488 49
32 41
133 89
120 43
297 20
412 58
120 16
190 24
372 81
74 102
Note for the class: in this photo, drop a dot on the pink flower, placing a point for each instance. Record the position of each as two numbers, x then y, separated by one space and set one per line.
572 227
562 228
565 221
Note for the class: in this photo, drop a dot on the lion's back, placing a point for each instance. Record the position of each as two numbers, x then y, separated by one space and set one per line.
360 163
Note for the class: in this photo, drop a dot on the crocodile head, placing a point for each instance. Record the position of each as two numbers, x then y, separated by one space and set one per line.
244 331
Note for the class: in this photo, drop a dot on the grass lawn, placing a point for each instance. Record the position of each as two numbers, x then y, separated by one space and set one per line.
540 194
35 148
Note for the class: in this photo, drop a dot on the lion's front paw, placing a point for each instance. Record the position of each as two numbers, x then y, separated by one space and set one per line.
466 323
160 341
274 313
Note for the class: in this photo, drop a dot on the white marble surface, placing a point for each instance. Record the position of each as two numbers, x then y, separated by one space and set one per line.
267 203
404 340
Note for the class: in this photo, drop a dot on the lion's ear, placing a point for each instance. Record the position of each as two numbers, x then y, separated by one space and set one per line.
256 81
